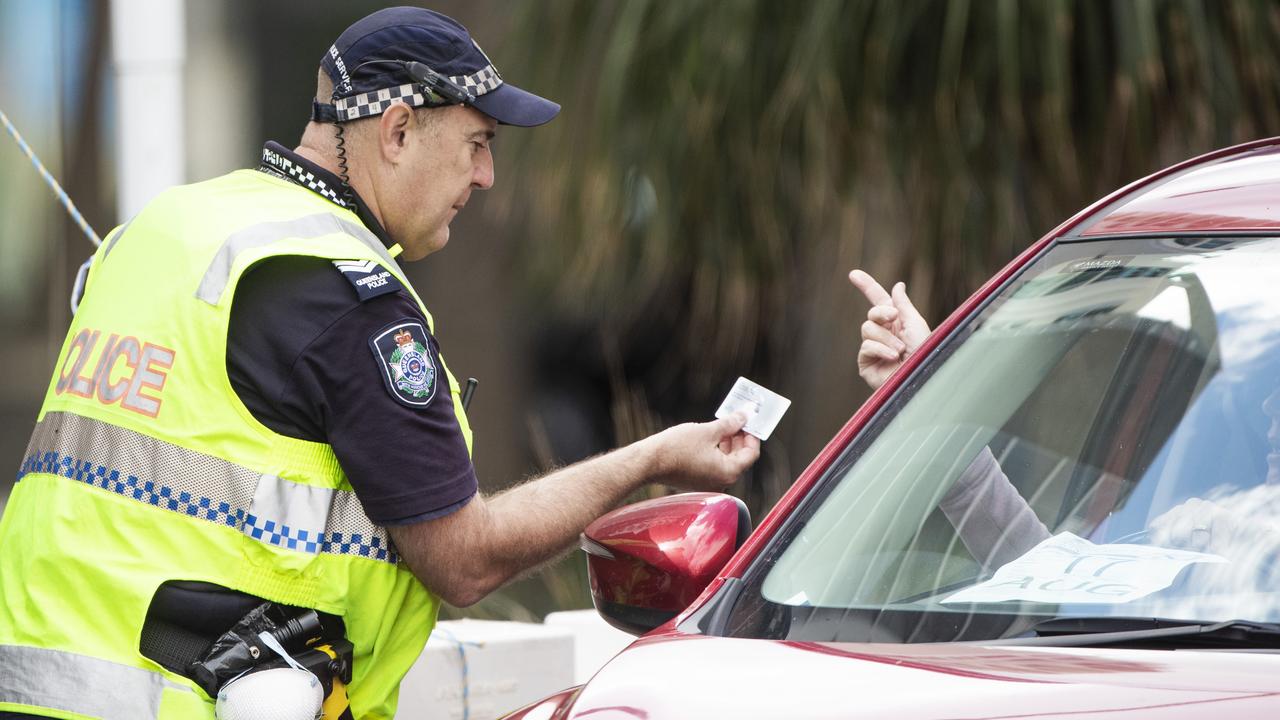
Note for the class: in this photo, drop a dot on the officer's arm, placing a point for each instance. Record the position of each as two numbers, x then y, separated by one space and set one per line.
466 555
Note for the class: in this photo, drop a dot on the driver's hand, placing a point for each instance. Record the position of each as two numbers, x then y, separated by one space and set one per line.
893 331
1195 524
705 456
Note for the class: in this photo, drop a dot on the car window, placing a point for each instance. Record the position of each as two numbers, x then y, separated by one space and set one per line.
1097 440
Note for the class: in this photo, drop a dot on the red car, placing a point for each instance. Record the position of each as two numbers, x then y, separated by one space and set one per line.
1065 504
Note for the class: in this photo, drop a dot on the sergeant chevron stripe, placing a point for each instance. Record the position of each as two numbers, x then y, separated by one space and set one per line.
366 266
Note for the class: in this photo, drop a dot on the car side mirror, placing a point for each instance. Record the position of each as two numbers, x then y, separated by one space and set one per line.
650 560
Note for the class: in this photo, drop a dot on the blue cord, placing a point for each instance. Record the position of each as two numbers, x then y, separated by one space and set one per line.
57 189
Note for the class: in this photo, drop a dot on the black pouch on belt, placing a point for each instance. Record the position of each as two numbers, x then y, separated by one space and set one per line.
210 634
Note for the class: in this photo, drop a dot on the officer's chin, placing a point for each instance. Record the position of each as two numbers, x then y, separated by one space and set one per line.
428 245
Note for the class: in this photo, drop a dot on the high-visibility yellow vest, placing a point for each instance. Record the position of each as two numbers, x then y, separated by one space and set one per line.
145 467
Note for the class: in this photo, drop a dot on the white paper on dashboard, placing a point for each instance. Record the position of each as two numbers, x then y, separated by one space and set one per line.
1069 569
763 407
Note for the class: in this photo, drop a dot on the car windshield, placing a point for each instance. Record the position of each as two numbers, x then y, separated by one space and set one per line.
1101 439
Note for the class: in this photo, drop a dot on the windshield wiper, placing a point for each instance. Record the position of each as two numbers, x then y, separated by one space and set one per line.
1152 633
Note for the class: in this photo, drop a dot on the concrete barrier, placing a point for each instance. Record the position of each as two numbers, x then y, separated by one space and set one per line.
481 669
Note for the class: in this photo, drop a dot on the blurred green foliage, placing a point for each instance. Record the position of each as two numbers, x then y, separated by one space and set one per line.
706 146
721 164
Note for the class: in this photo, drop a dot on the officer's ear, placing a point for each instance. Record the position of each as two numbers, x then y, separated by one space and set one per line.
394 125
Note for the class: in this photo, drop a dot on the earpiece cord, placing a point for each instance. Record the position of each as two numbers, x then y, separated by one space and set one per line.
348 195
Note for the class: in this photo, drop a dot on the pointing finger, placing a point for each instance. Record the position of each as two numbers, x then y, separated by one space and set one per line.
873 291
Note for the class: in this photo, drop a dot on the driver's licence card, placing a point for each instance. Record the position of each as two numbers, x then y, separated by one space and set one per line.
763 407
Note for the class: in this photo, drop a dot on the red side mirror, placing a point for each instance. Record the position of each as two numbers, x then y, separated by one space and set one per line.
648 561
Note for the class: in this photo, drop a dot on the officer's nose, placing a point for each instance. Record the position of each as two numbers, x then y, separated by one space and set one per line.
482 172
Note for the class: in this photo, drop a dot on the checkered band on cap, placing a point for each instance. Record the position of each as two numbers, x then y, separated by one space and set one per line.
484 80
376 102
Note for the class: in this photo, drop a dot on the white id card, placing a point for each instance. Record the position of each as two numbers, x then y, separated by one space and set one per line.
763 407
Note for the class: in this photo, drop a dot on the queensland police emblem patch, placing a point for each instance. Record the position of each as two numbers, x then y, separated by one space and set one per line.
407 364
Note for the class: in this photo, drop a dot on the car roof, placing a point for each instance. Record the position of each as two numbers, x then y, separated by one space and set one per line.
1234 190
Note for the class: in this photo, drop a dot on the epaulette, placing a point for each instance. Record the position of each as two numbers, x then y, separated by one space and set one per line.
368 278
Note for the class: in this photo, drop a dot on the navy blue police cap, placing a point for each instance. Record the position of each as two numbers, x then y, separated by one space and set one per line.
424 59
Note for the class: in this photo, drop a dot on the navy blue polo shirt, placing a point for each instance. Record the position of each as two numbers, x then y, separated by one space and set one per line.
312 353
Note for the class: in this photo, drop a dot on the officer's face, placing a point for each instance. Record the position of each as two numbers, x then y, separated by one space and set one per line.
445 158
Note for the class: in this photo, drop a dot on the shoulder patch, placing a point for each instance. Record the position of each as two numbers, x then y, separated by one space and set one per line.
406 363
368 278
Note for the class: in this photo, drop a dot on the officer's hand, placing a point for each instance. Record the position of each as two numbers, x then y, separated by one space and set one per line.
893 331
704 456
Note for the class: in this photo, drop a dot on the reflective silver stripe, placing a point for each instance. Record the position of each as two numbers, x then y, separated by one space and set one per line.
266 508
81 684
314 519
302 508
309 226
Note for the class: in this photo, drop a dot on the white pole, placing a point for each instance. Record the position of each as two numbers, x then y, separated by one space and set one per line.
148 49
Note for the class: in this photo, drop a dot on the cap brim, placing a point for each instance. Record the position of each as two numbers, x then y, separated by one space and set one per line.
510 105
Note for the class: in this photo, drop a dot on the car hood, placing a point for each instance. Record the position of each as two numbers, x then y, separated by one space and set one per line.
703 677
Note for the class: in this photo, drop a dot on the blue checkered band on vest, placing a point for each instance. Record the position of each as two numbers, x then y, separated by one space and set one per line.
100 455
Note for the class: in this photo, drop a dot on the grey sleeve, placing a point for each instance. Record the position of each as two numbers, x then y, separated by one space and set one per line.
994 522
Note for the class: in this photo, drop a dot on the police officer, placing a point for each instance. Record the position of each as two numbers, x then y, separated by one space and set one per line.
251 402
